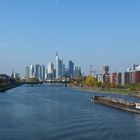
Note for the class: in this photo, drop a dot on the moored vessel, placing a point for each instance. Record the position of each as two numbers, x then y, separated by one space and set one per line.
117 103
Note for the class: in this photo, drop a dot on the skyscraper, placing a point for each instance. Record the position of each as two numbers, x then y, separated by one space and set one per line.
50 71
105 70
77 72
31 71
42 72
59 65
71 69
27 72
63 70
50 67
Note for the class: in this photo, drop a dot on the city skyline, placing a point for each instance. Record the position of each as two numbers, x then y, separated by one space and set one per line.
87 32
52 71
94 69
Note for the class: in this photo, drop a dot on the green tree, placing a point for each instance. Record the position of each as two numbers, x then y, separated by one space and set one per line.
78 81
33 79
99 84
90 81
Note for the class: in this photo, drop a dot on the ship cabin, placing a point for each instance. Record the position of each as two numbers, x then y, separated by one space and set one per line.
137 105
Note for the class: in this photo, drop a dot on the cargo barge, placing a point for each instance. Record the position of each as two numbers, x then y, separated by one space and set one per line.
117 103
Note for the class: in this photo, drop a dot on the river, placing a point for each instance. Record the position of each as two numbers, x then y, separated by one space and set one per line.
44 112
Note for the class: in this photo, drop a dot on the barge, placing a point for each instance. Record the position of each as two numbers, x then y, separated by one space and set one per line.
117 103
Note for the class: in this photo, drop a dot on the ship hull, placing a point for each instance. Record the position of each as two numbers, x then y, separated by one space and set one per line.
118 106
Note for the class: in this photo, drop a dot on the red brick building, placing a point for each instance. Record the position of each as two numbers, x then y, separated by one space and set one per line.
114 78
137 77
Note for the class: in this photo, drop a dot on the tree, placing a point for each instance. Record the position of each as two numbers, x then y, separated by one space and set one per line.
78 81
33 79
99 84
90 81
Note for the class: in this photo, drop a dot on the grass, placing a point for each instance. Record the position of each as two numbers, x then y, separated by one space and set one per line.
111 90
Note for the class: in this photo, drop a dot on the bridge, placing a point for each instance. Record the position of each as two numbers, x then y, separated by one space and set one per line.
62 80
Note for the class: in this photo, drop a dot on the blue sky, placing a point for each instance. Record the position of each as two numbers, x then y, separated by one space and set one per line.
87 31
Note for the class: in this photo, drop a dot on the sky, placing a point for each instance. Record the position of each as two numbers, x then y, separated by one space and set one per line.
89 32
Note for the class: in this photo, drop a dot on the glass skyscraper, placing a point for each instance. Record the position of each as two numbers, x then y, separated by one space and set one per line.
59 67
71 69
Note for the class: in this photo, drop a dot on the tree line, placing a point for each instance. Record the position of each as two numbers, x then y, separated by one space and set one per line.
91 81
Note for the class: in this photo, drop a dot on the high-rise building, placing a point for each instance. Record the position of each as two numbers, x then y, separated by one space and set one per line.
77 72
105 70
59 66
27 72
42 72
100 78
131 77
37 71
50 71
71 69
114 78
32 71
63 70
54 73
125 78
137 77
50 67
119 78
46 73
16 75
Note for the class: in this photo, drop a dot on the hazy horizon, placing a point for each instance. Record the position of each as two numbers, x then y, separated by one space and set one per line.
88 32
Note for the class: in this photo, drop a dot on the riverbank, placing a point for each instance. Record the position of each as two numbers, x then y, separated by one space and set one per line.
3 89
111 91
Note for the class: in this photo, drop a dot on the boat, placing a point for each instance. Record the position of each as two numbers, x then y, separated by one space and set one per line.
117 103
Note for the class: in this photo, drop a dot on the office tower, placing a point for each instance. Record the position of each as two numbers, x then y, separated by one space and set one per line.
42 72
63 70
46 73
50 71
71 69
31 71
37 71
50 67
54 73
105 70
27 72
59 65
16 75
77 72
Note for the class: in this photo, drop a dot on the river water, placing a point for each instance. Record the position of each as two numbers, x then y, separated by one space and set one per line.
58 113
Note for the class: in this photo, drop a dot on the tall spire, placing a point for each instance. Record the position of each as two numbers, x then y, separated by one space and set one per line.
56 54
